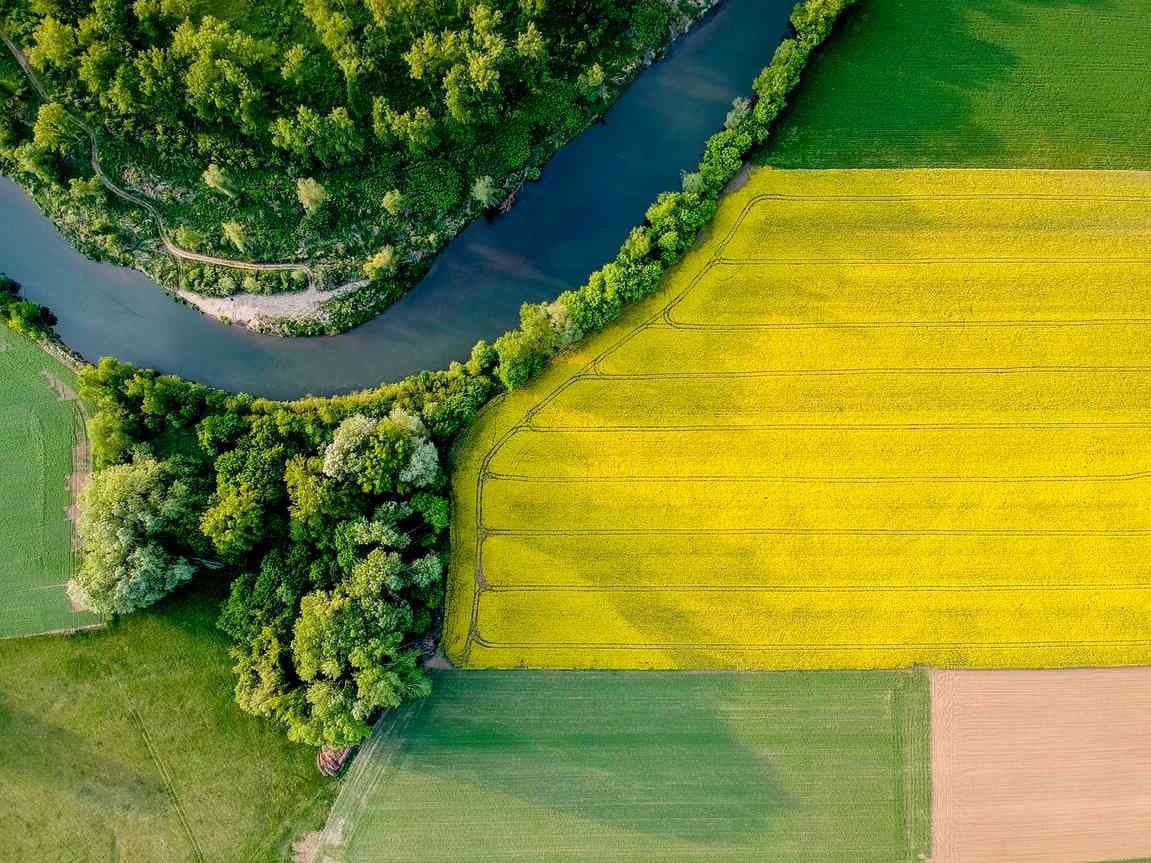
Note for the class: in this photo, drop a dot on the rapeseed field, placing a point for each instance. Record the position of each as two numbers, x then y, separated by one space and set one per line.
877 419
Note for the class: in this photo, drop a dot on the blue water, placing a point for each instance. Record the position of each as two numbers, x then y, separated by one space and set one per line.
561 228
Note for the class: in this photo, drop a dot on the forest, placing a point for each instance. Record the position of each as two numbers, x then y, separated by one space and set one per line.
334 511
356 136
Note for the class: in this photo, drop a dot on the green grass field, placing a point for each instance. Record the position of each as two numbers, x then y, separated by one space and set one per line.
124 745
1027 83
39 424
640 766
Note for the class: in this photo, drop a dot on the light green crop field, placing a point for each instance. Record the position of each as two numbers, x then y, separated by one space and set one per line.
1004 83
123 745
563 767
878 419
40 425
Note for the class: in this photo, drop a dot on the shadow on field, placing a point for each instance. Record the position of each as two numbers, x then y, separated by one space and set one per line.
37 754
915 107
648 752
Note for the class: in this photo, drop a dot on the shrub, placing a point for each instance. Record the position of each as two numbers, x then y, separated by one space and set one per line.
434 187
312 195
393 202
381 264
215 178
484 192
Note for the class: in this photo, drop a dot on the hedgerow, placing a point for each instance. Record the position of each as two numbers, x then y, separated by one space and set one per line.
334 511
674 221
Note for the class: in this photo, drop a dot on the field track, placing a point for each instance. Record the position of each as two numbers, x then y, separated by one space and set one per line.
1041 766
881 418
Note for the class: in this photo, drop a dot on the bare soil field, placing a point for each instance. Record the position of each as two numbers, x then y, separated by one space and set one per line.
1045 766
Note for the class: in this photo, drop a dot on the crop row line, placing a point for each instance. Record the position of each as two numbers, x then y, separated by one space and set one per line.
486 532
786 588
874 370
823 480
803 648
670 323
754 427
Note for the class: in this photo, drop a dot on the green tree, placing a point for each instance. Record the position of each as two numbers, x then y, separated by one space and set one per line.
223 68
524 352
54 42
332 139
54 131
415 130
215 178
484 192
386 455
312 195
350 656
131 516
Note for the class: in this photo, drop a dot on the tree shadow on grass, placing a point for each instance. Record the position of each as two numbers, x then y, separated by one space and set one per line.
642 752
38 754
894 87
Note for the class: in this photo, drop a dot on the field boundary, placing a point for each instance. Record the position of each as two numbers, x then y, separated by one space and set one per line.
60 396
576 367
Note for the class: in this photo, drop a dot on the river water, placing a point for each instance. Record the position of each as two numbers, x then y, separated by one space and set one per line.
561 228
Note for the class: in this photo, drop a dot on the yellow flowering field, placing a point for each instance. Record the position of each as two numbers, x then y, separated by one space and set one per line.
875 419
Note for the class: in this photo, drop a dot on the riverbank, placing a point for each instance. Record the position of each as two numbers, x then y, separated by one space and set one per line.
336 298
555 235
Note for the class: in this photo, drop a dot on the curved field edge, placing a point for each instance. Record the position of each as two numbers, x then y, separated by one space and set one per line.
501 419
472 450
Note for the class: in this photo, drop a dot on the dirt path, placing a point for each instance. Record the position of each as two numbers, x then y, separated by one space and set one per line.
1043 766
242 308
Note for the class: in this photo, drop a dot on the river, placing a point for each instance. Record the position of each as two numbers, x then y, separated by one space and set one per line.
561 228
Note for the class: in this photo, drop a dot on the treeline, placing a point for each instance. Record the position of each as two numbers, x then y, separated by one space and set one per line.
24 316
334 511
674 221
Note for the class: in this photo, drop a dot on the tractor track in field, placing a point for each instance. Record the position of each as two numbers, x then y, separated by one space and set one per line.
543 416
169 785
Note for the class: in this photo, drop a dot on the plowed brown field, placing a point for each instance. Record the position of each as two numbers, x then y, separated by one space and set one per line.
1043 766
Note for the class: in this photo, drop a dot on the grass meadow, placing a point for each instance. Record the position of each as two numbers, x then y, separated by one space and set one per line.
881 418
40 424
124 744
979 83
627 766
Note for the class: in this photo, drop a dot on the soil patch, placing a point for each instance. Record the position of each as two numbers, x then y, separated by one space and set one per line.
64 392
81 467
1044 766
